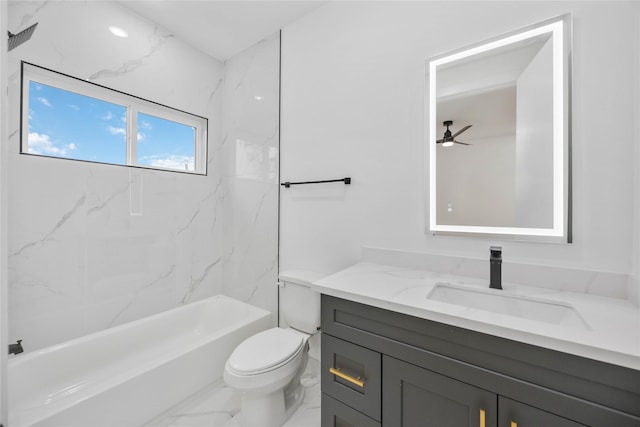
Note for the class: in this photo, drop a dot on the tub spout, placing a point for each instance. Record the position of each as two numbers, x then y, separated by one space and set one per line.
16 348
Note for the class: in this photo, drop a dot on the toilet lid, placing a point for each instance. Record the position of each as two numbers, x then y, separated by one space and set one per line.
265 351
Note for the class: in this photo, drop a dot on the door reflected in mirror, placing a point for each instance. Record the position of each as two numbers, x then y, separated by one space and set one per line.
499 136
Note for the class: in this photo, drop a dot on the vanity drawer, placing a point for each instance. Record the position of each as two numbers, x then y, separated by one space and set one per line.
337 414
352 375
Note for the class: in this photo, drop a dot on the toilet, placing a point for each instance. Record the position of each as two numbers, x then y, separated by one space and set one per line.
267 366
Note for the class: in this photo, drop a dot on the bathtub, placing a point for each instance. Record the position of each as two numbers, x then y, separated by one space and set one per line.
126 375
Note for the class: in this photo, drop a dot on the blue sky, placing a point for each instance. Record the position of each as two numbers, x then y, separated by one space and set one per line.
66 124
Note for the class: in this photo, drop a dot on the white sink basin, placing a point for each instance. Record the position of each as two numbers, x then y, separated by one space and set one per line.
502 302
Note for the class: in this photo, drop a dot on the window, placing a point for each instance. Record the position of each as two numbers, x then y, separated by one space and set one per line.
69 118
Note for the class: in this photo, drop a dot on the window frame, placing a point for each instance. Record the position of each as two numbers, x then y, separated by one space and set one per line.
133 106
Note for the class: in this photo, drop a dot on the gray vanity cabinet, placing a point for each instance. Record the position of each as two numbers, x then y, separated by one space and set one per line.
383 368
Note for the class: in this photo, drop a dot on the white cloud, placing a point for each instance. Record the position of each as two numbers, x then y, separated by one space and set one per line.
40 143
145 125
141 136
74 107
107 116
117 131
44 101
169 161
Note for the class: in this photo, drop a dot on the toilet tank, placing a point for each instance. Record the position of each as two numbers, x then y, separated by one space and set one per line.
299 305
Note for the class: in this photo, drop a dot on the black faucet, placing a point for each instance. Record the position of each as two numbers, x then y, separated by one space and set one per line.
495 264
16 348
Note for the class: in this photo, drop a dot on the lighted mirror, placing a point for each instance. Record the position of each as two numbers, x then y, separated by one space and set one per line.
499 136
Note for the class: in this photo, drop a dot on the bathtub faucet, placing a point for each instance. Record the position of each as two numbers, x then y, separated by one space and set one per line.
16 348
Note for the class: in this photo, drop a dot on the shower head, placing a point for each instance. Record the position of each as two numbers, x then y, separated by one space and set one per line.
16 40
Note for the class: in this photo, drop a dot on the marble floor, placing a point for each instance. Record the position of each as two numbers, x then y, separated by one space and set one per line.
217 406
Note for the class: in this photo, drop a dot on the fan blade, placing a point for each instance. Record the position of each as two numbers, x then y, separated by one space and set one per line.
461 130
463 143
439 141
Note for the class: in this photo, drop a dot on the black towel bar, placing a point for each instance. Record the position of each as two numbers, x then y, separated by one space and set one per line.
289 184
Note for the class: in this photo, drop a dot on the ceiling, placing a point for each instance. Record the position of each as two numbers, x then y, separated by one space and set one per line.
487 101
497 117
221 28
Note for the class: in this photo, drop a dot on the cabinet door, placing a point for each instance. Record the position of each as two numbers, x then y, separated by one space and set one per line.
516 414
413 396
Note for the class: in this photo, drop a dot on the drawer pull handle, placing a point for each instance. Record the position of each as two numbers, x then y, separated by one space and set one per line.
514 424
338 373
482 418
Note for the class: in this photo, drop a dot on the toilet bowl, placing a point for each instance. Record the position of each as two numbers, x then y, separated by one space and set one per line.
267 367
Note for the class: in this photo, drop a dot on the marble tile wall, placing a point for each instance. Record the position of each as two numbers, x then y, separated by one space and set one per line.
250 147
92 246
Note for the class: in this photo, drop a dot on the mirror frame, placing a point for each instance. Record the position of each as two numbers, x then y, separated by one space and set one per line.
560 232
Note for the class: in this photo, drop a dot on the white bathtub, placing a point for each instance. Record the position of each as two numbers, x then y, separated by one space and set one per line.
126 375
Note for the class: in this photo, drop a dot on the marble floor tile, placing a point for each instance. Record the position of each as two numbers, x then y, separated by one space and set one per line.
213 406
217 406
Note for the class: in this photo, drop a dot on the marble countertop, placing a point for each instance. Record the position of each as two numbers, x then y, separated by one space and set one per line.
609 330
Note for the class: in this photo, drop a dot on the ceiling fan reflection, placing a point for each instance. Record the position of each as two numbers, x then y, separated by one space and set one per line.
449 139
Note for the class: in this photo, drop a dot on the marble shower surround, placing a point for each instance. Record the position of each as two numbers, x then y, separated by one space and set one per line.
91 245
250 147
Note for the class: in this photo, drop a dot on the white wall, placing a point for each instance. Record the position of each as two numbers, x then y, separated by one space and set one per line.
4 300
352 105
534 156
476 183
636 91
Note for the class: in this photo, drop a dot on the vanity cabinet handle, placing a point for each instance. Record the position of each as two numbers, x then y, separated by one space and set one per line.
482 418
338 373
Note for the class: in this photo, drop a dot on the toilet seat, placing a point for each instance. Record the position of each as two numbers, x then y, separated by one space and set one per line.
265 351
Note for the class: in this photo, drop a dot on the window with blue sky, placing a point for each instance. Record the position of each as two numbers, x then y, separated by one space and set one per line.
73 119
165 143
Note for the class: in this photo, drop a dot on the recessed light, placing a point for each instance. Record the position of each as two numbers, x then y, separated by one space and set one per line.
117 31
258 98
